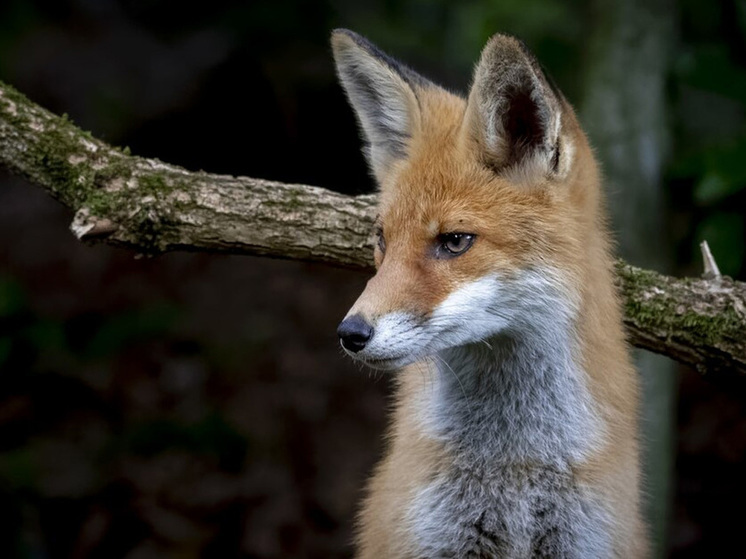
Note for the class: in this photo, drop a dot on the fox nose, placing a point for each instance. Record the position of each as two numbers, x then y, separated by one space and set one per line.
354 332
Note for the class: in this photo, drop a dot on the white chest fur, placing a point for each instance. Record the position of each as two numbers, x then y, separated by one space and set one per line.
514 416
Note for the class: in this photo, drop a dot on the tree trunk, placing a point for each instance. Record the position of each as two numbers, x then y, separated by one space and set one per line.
624 113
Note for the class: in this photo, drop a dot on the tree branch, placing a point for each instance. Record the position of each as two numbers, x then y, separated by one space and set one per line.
695 321
153 207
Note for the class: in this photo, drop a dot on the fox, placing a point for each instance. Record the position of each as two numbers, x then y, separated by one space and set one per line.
514 425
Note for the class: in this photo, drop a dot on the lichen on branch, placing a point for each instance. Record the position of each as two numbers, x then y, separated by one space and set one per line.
152 207
695 321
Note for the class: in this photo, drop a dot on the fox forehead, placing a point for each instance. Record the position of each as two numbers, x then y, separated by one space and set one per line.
442 186
452 193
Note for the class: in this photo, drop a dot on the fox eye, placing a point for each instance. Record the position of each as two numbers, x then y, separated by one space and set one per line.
381 240
454 244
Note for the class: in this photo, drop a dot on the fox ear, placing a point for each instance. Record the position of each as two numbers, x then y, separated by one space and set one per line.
513 113
382 94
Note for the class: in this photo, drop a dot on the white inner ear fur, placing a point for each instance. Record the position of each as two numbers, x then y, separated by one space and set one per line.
385 105
536 169
498 71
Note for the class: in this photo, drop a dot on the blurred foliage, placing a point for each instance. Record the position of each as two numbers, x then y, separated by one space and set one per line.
443 39
62 434
210 436
707 173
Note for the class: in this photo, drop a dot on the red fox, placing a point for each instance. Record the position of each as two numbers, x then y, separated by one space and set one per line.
514 432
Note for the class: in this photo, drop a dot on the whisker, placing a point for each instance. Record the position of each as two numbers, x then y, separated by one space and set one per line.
428 376
463 390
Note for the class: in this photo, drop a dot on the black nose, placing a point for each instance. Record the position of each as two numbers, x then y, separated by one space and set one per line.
354 332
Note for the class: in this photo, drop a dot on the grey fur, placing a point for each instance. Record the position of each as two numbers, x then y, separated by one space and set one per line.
514 513
514 424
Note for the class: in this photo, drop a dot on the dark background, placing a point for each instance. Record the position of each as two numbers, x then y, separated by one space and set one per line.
193 405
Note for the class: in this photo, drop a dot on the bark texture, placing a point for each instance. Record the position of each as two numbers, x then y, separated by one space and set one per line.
153 207
695 321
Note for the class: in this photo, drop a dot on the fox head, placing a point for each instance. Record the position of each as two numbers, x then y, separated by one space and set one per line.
487 204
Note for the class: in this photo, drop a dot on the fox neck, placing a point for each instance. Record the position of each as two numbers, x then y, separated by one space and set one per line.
518 398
